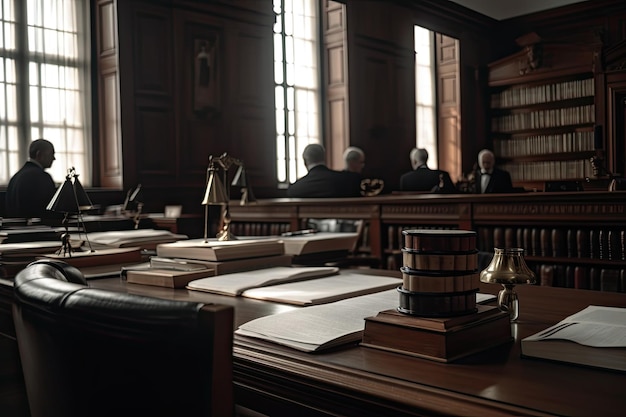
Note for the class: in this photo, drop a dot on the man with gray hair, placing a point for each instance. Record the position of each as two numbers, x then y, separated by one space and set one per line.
354 159
490 179
31 188
422 178
321 181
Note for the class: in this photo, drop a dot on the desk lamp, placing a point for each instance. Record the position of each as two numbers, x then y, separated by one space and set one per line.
241 180
70 199
217 193
508 268
214 193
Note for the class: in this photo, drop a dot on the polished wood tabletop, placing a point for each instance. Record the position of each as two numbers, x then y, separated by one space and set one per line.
355 380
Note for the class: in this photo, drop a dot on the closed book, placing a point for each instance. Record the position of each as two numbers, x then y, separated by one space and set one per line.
582 243
221 267
609 280
546 276
320 242
439 339
28 249
581 278
595 336
214 250
88 258
144 238
594 278
498 238
170 278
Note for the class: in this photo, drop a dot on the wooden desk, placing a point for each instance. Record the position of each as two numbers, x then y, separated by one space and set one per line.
355 380
366 382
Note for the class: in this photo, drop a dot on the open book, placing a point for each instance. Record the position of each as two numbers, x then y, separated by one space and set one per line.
238 282
324 326
595 336
324 290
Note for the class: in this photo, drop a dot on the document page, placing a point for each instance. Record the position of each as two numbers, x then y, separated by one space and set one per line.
594 326
311 328
326 325
323 290
236 283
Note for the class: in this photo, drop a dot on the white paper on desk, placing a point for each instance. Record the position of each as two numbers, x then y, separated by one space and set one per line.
323 326
324 290
238 282
594 326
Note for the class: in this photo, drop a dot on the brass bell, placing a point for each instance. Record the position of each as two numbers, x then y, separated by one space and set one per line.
509 269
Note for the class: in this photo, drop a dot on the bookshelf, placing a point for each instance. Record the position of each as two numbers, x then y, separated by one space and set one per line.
591 257
542 116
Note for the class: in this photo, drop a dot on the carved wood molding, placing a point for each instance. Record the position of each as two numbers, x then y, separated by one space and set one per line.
596 211
339 211
456 210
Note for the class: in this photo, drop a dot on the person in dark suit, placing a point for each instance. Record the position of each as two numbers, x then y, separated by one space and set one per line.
321 181
31 188
489 178
423 178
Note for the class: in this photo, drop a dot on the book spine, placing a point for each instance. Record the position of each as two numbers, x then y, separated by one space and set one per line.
547 275
609 280
581 278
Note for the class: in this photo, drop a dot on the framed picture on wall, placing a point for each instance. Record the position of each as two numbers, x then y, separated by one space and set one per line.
206 97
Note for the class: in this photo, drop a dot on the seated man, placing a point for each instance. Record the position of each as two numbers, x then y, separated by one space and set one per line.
321 181
31 188
354 159
490 179
423 178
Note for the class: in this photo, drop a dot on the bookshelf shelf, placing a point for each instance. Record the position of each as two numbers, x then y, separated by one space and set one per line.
521 108
542 119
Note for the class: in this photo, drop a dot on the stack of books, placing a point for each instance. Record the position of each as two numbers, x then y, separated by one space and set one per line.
178 263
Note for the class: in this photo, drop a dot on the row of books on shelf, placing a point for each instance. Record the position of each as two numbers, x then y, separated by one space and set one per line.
528 95
549 170
542 119
581 277
579 141
584 243
395 238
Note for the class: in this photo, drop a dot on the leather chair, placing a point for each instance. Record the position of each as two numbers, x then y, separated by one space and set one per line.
89 352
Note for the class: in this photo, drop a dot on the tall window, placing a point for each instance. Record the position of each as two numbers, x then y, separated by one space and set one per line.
44 88
425 94
297 78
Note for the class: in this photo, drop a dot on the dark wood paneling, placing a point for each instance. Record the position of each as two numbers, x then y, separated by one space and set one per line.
154 129
152 56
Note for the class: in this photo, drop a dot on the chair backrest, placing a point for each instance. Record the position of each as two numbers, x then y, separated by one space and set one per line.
91 352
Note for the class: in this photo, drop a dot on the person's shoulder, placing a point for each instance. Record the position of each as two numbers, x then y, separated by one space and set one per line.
444 173
501 171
